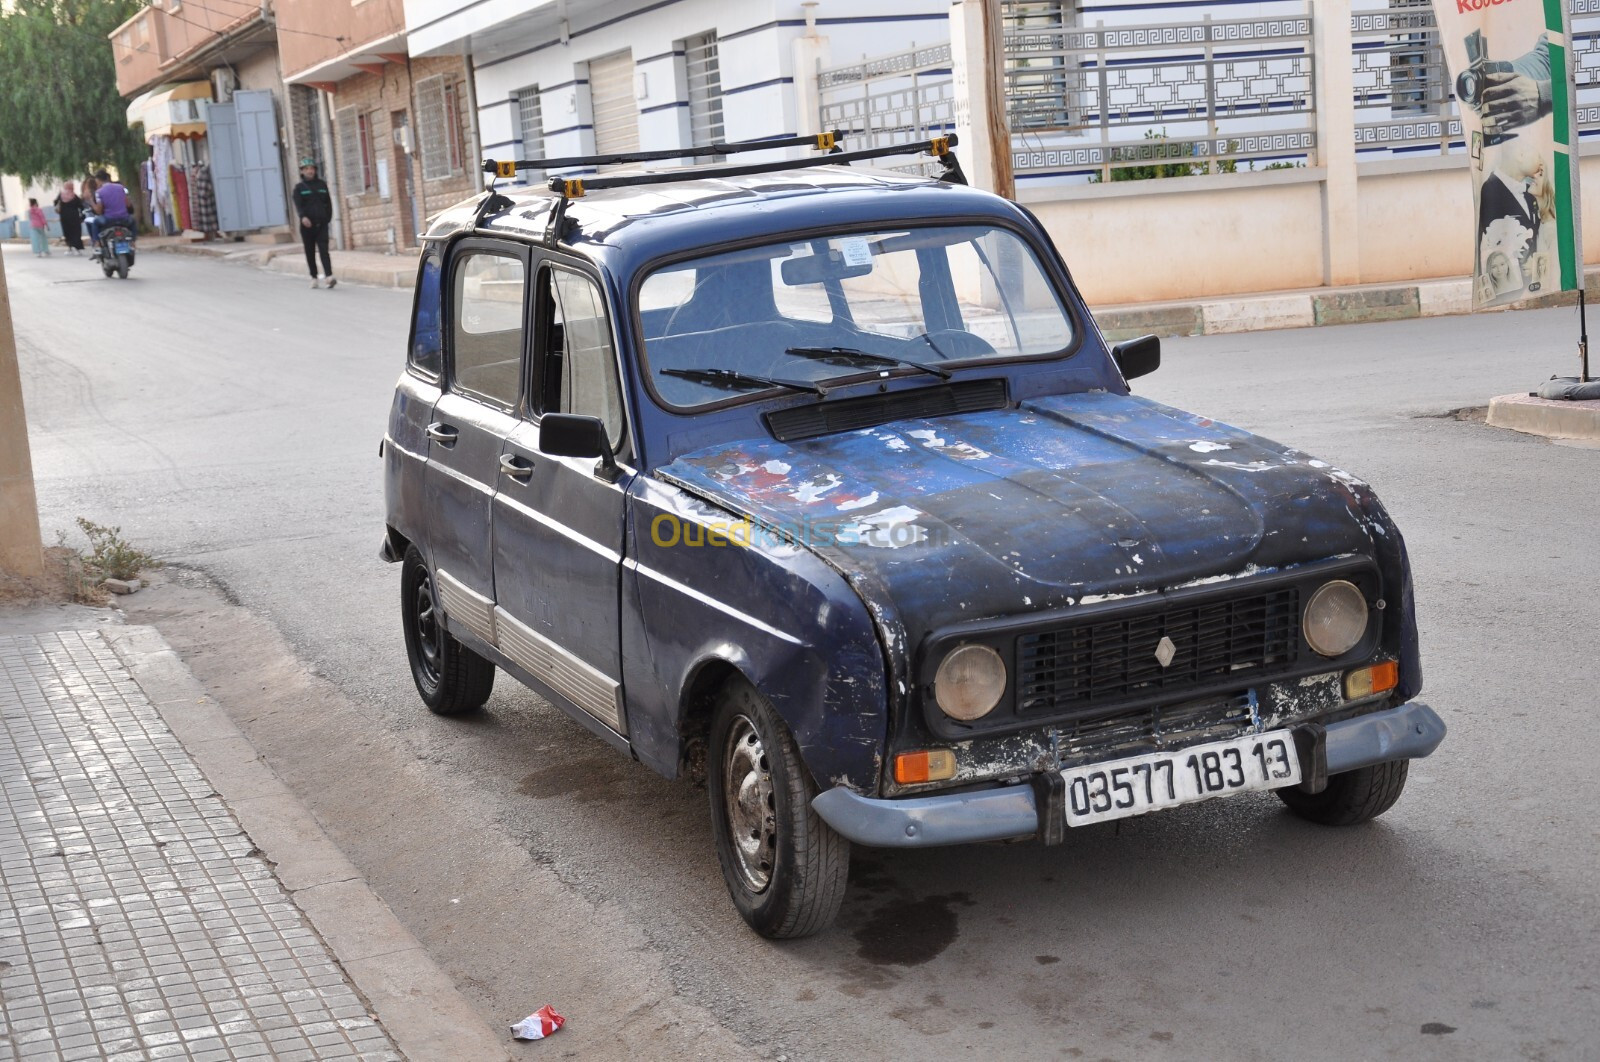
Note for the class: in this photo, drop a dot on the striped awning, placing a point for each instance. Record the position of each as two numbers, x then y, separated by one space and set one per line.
176 110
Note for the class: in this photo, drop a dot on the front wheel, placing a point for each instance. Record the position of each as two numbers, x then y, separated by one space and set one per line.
1352 797
451 678
785 868
122 267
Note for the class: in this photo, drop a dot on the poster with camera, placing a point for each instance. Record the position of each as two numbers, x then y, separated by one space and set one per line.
1513 82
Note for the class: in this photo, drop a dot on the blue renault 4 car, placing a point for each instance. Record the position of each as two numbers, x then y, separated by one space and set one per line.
819 483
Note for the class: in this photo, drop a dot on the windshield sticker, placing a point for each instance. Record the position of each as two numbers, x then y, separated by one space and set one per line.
855 251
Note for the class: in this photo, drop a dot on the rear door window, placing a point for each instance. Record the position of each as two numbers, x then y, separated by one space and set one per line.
489 308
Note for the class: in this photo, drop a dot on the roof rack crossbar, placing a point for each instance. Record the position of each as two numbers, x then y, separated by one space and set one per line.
939 147
820 141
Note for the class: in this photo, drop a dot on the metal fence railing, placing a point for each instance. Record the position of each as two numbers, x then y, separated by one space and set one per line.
1206 95
1403 97
890 99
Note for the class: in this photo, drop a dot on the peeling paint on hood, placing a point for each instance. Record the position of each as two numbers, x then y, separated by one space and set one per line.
1067 499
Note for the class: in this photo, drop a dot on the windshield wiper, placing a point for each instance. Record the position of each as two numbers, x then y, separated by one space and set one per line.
736 380
845 355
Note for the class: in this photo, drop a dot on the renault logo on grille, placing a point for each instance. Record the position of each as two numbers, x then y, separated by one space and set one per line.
1165 651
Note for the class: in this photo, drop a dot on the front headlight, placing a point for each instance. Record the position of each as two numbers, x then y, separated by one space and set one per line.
1336 618
970 681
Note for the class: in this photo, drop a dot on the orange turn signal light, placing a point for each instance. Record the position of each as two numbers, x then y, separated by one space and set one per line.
1365 681
932 765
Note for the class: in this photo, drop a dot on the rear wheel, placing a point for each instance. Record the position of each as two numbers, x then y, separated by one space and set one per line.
1352 797
785 868
122 266
450 678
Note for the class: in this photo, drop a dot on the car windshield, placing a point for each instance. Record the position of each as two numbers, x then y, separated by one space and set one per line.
917 300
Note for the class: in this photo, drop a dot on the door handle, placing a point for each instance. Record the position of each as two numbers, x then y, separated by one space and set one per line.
443 434
516 467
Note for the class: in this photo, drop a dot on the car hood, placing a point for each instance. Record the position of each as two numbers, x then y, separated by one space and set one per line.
1062 501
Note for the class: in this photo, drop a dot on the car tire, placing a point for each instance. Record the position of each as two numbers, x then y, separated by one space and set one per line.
451 678
785 868
1352 797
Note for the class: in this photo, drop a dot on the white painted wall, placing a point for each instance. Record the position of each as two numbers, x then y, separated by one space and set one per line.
755 52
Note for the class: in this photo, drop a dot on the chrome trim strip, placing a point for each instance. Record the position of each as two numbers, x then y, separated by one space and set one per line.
461 477
695 595
472 610
585 686
389 443
565 532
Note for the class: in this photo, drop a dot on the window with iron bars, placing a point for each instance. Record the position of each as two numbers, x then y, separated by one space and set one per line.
703 79
530 129
1039 86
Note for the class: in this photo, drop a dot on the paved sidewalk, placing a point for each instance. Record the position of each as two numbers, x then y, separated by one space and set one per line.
137 920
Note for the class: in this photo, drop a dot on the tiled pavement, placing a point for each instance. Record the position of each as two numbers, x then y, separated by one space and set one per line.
136 919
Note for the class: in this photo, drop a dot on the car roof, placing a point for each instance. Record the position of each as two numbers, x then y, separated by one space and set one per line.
627 226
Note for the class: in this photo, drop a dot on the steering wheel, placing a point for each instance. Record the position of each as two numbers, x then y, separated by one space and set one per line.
954 344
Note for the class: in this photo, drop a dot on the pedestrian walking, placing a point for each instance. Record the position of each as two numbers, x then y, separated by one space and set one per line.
315 206
38 229
69 208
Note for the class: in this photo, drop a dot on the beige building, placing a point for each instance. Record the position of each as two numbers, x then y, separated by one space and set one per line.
203 80
393 135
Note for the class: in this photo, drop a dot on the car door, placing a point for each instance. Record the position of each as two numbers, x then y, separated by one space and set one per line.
486 338
558 538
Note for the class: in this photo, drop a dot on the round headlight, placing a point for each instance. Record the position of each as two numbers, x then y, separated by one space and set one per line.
1336 618
970 681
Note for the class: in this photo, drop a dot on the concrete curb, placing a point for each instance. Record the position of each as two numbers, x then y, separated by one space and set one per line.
1311 307
1548 417
414 1000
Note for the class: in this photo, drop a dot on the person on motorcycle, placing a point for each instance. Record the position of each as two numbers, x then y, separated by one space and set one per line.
111 207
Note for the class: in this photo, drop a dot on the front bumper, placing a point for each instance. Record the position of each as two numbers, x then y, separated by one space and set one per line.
1408 732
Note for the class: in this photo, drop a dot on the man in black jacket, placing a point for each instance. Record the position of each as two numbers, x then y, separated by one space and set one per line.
315 207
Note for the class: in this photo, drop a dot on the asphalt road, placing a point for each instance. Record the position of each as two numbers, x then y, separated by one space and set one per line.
228 421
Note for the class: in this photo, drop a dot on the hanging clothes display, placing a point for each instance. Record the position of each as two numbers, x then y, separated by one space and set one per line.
202 198
180 196
161 170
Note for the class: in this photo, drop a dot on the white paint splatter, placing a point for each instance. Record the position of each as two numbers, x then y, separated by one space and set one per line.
1138 559
926 436
1208 447
859 503
813 489
776 468
1253 466
891 528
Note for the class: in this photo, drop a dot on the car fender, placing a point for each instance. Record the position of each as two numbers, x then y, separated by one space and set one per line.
764 607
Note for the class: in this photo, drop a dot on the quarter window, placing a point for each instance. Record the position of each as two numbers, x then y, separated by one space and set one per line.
486 338
427 351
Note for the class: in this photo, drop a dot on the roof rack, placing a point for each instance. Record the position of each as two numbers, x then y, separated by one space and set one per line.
821 141
569 188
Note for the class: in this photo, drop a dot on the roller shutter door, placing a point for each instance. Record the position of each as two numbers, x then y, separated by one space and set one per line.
615 105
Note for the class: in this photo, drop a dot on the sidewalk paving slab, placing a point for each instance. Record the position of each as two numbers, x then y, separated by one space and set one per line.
163 895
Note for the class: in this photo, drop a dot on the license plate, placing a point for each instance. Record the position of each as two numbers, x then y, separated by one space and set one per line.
1140 784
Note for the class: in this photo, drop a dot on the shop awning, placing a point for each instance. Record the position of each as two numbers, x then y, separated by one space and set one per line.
176 110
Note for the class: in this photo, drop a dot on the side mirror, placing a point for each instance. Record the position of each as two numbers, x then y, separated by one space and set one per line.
1137 357
571 435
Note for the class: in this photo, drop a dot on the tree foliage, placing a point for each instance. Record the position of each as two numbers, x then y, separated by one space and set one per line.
60 114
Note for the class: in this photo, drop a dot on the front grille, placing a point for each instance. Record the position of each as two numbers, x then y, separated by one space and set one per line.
1157 727
1101 662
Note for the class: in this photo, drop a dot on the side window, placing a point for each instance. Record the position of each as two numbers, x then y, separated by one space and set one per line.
580 367
486 340
427 336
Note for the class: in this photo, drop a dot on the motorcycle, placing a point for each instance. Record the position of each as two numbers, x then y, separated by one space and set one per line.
116 249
